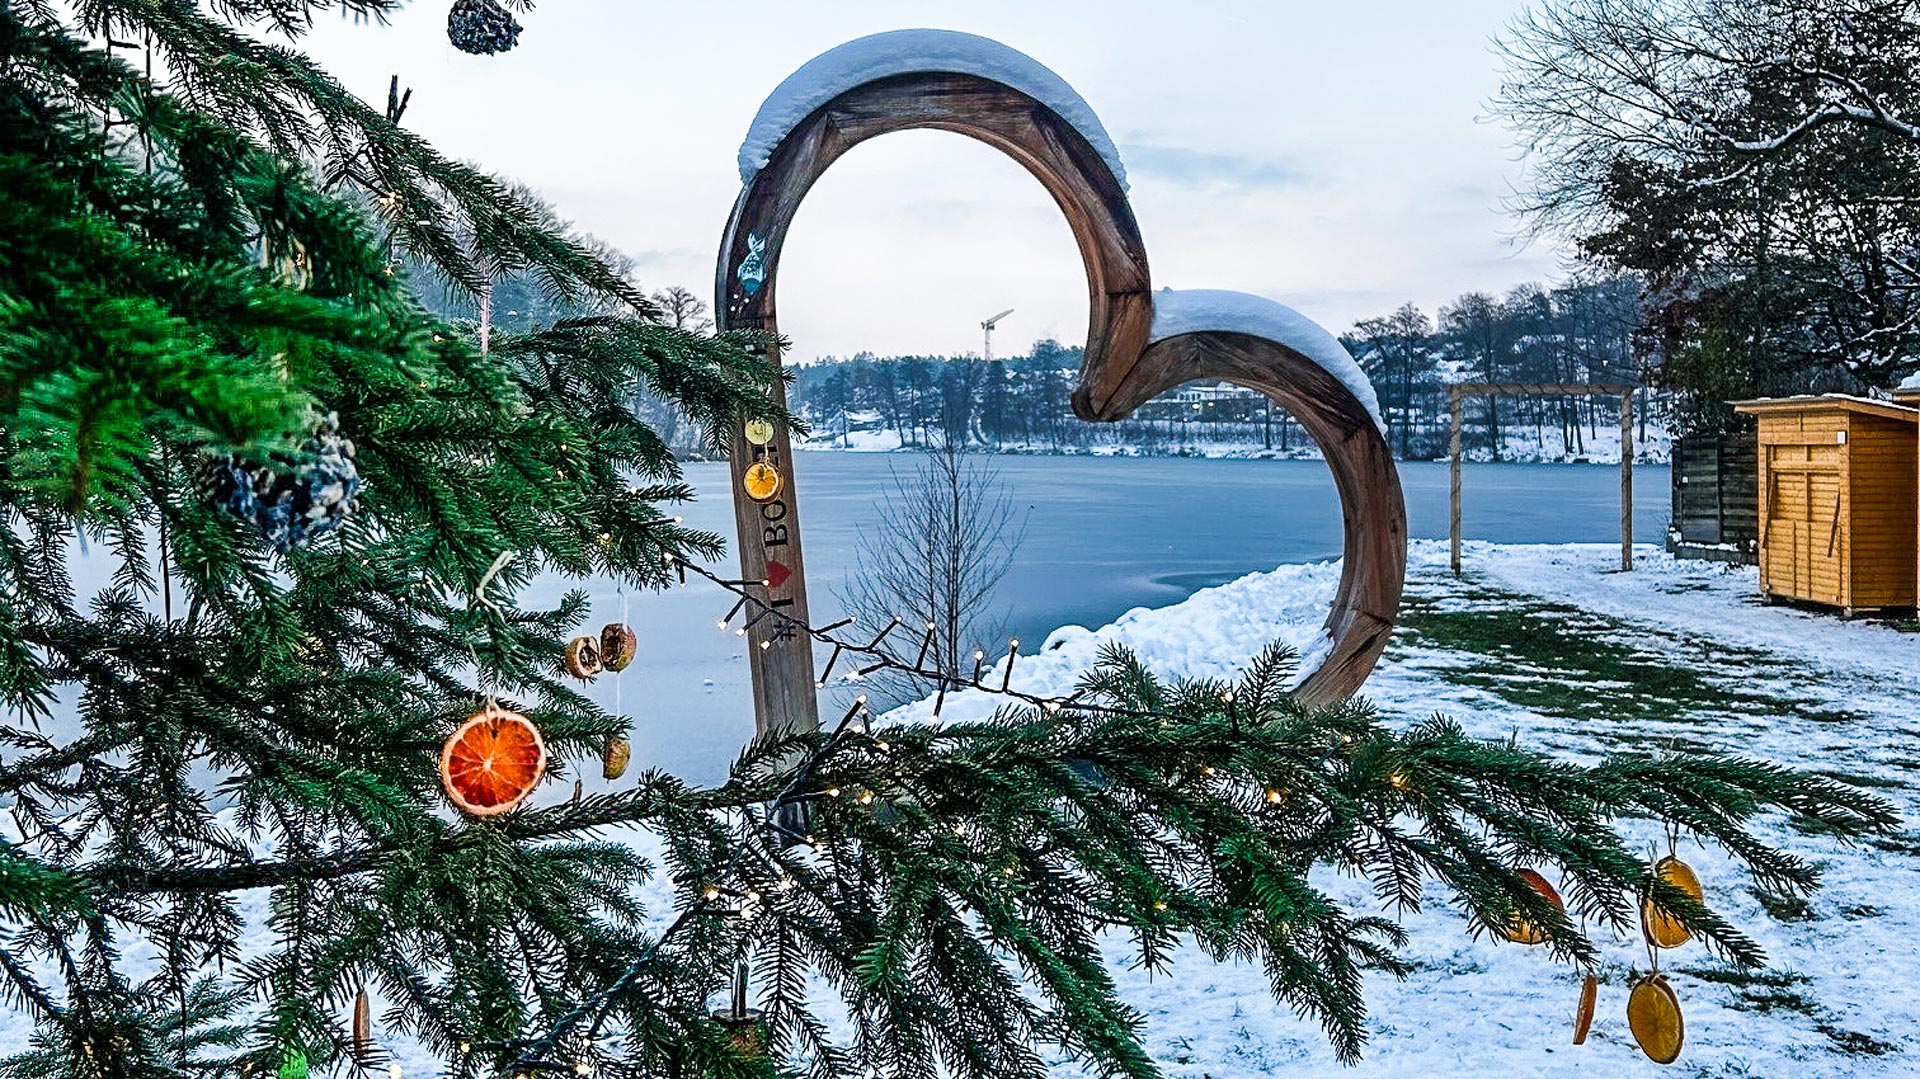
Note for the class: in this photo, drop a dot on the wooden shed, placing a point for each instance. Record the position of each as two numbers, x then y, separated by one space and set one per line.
1839 500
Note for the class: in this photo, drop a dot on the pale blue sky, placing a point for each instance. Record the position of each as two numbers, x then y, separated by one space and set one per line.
1336 160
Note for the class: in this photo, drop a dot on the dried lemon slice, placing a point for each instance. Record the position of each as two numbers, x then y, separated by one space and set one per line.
759 432
1661 929
1653 1014
761 482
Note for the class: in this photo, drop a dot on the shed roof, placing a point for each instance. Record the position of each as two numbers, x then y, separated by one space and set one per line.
1843 402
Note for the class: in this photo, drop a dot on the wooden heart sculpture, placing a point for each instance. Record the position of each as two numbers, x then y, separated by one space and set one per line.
1139 343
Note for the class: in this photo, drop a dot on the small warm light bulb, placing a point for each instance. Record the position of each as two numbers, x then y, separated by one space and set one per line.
712 893
1159 904
833 792
1274 796
882 745
866 798
1206 769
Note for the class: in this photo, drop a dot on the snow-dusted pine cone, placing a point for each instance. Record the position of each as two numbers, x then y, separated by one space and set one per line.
305 498
481 27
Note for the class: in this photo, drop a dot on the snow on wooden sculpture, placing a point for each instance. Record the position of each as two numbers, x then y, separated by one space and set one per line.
1205 310
1139 344
915 52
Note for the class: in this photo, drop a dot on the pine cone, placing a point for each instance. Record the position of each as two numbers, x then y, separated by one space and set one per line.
298 499
481 27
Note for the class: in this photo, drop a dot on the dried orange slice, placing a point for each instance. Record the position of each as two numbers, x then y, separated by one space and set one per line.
761 482
1523 931
1653 1014
618 646
1661 929
492 762
1583 1016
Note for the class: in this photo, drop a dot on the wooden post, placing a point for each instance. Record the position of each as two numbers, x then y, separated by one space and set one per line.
1453 412
1626 480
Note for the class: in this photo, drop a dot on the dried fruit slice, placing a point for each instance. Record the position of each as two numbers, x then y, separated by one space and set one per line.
761 482
613 763
618 646
759 432
1583 1016
583 657
1663 930
1523 931
1653 1014
492 762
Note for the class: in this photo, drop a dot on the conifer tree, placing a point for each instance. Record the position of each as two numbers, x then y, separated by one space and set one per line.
243 728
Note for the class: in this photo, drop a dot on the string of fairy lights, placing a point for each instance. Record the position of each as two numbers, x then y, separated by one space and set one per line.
873 657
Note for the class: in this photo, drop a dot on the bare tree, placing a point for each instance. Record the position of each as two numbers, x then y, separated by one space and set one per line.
682 310
1708 88
937 545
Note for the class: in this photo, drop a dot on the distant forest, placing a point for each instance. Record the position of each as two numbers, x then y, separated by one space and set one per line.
1576 333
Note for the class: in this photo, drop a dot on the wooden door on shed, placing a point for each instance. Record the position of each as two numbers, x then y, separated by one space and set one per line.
1805 542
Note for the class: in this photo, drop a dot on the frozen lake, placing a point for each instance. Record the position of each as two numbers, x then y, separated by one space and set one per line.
1103 535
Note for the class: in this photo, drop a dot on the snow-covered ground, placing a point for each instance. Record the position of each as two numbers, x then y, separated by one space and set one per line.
1555 646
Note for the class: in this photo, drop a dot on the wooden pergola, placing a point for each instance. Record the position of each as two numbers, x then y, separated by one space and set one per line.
1622 390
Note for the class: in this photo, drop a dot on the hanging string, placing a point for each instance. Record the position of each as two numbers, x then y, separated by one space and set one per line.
479 599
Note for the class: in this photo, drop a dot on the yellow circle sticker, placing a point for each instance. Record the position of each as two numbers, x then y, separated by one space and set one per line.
761 481
759 432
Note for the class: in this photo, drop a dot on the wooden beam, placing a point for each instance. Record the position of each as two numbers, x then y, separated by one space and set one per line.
1487 389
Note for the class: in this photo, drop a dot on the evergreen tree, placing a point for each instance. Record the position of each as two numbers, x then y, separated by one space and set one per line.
233 717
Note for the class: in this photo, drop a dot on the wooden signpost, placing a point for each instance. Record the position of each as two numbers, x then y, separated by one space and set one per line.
1119 371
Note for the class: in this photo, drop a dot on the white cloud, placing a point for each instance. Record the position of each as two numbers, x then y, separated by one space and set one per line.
1330 158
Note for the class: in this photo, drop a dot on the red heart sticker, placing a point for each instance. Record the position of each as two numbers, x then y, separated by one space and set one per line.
777 573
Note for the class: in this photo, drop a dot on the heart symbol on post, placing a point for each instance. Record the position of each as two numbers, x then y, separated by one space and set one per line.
1139 343
777 573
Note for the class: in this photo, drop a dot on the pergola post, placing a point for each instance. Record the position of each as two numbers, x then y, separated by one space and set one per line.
1453 518
1626 480
1491 389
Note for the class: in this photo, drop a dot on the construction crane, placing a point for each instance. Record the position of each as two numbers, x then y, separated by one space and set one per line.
987 348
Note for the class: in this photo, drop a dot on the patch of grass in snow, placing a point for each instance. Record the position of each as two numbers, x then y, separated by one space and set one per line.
1551 658
1854 1043
1763 991
1854 780
1784 906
